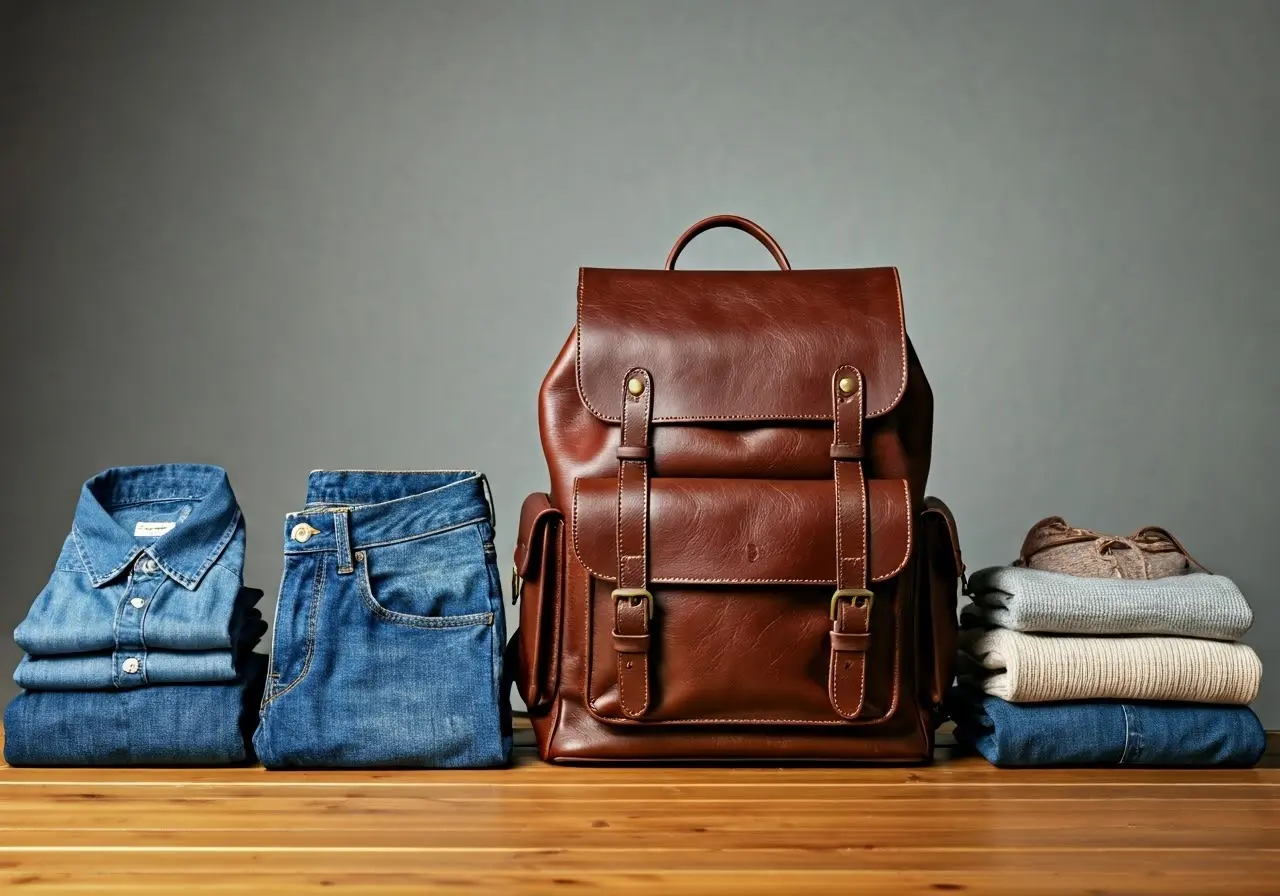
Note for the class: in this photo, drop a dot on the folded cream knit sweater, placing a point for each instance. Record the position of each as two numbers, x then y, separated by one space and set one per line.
1026 668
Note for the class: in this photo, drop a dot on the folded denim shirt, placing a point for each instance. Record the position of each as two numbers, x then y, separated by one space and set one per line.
182 724
127 668
154 561
1104 732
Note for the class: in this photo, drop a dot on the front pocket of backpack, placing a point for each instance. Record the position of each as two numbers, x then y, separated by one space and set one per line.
441 580
742 575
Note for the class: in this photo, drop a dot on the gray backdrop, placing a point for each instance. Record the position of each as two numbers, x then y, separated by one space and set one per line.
285 235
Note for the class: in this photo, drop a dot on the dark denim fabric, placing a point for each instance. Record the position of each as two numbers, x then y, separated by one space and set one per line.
183 724
154 561
389 630
1105 732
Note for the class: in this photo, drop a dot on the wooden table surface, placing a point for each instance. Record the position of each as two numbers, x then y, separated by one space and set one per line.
959 825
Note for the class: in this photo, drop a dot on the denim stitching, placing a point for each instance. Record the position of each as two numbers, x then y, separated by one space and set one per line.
365 589
275 638
190 581
332 504
1124 754
119 613
496 645
442 531
89 567
116 505
317 594
222 545
383 544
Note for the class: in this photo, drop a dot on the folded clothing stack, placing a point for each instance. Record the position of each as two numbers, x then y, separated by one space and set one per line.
1059 668
140 648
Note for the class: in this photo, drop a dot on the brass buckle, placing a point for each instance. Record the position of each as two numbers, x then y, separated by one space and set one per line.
853 594
517 583
634 595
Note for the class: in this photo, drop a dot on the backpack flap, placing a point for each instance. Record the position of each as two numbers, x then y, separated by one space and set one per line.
739 346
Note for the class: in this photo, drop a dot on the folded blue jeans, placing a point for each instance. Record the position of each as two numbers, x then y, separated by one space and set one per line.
184 724
389 628
129 668
1105 732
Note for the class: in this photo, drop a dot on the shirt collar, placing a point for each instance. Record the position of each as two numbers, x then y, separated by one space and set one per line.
187 551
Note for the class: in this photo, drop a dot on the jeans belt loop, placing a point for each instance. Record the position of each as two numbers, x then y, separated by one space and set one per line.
342 540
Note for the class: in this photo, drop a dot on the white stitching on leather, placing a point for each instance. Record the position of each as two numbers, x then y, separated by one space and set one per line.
863 525
906 490
834 678
582 393
577 551
590 700
902 328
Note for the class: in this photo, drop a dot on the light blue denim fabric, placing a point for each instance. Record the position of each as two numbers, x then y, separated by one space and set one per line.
389 630
114 589
184 724
127 668
1105 732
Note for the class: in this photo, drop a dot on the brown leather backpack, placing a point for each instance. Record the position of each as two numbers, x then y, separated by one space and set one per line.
736 560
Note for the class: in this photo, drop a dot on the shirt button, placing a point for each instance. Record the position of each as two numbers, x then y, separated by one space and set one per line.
138 603
301 533
131 665
149 566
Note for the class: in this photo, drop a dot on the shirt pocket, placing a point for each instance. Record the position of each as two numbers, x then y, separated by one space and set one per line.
440 580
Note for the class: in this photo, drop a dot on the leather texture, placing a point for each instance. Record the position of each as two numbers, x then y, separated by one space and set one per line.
740 346
536 585
740 531
735 561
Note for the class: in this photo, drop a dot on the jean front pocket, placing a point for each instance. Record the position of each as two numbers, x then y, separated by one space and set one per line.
293 631
438 581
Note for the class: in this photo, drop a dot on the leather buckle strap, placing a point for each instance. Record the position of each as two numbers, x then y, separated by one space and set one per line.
852 602
633 604
632 612
860 596
635 596
850 639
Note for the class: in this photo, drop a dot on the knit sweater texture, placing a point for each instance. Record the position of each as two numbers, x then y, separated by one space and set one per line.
1197 605
1026 668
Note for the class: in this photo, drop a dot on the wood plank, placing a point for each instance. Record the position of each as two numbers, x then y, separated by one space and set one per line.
959 824
677 883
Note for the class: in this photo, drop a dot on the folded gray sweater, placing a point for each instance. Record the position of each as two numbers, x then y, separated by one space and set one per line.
1198 605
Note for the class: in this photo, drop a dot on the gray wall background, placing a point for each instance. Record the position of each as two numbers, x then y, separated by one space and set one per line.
284 235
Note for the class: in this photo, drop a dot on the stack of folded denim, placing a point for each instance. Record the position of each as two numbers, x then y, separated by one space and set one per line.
1058 668
140 648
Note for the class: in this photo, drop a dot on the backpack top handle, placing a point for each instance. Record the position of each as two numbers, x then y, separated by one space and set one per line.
737 223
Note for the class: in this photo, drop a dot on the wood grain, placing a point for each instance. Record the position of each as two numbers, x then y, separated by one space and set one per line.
957 826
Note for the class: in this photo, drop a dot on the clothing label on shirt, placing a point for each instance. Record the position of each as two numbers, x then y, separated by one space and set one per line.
151 530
